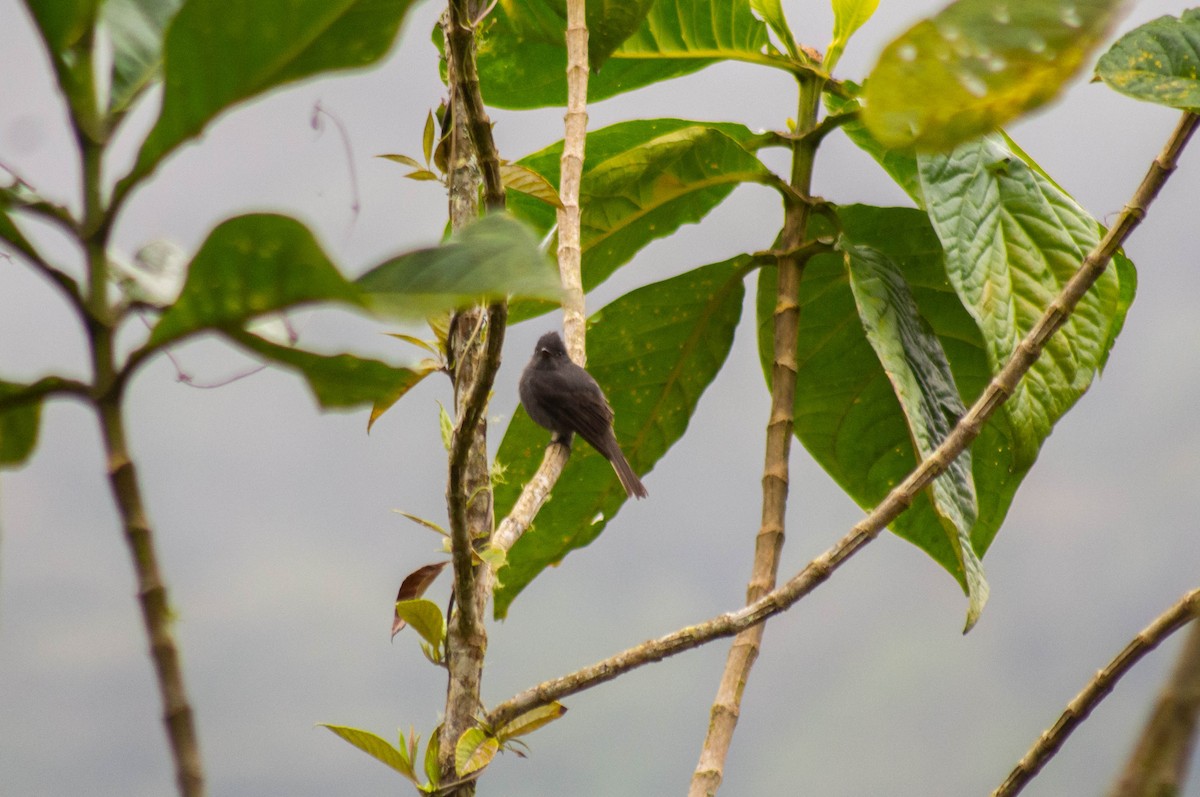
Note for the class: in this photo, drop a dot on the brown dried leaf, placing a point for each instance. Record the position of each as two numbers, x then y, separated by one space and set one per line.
414 586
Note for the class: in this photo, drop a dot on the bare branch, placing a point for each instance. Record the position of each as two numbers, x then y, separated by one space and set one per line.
768 543
902 496
1170 621
460 38
476 340
1159 762
537 489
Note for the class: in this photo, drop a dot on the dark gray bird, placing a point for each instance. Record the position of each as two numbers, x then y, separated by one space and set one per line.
565 399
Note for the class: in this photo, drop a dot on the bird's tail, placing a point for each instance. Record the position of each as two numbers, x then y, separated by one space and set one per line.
629 480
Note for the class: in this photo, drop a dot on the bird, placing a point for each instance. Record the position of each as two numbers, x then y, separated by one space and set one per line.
564 398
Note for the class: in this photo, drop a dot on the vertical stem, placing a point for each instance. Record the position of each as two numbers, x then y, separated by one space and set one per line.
108 384
768 544
152 596
570 255
476 337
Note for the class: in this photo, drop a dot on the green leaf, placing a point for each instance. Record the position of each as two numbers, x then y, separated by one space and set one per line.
642 181
772 13
848 17
523 58
217 55
527 181
420 521
846 411
609 24
402 159
67 29
18 427
426 619
530 721
376 747
474 751
432 770
900 163
342 380
251 265
1157 62
1012 239
446 425
653 351
427 137
979 64
921 379
493 259
136 29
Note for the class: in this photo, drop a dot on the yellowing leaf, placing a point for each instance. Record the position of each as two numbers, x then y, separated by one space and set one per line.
977 65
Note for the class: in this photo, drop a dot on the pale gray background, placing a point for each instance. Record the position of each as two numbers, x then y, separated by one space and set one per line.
283 556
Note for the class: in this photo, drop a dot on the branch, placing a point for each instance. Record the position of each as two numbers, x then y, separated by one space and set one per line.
468 493
1179 615
22 196
152 596
538 488
1159 762
902 496
768 543
42 389
460 38
20 199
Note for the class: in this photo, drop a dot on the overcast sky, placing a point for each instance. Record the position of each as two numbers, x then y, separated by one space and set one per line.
276 533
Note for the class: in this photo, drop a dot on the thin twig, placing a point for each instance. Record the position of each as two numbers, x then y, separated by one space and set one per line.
902 496
317 113
1167 623
44 388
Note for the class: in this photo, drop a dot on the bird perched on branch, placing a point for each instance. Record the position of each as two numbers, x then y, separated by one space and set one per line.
564 398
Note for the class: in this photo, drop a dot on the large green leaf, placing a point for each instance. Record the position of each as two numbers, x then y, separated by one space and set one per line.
609 24
18 427
1158 62
978 64
341 380
847 413
642 181
66 27
262 263
653 351
1012 239
900 163
523 58
136 29
916 365
248 266
218 54
492 259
